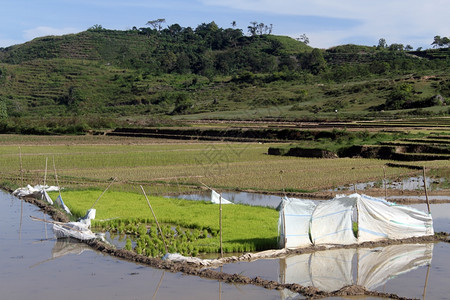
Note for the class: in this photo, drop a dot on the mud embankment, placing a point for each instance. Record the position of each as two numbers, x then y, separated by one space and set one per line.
201 271
391 152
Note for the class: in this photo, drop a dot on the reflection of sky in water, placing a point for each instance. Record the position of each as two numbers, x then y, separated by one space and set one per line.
35 266
440 214
409 184
239 198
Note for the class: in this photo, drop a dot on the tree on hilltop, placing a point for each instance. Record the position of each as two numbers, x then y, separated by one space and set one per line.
156 24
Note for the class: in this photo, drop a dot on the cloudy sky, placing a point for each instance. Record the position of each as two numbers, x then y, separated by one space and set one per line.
327 23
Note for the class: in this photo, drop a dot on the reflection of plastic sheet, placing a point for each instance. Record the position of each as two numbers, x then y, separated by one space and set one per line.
64 247
377 266
326 270
331 270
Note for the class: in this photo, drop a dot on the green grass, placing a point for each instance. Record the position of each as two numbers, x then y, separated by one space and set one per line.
245 228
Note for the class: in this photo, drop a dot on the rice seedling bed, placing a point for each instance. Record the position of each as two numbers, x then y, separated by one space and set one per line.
189 227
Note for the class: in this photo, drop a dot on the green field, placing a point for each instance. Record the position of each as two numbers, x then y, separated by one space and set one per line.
83 162
85 165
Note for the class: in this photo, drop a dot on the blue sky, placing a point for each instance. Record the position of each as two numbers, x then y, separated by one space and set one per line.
327 23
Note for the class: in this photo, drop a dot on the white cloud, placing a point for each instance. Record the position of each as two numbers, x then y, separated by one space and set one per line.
7 42
399 21
45 31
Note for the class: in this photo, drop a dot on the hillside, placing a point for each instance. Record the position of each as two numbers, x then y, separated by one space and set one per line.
106 78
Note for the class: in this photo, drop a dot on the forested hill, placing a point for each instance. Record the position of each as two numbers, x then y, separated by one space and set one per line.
211 72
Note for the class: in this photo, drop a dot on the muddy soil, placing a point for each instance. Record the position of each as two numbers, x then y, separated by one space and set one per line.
193 269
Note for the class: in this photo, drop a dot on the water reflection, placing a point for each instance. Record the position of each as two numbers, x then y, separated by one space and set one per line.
369 267
238 198
51 268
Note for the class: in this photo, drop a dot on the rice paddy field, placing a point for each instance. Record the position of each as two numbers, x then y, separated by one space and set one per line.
86 165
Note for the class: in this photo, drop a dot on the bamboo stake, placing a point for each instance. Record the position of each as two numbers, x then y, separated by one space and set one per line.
54 222
159 284
45 174
220 224
103 193
282 211
154 216
284 227
206 186
282 184
426 191
426 282
21 168
384 181
56 177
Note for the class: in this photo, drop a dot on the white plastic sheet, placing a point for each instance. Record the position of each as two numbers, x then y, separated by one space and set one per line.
90 215
331 222
215 198
293 222
76 230
30 190
61 203
379 219
46 197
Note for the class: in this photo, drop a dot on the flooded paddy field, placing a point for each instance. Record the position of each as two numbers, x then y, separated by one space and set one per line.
35 264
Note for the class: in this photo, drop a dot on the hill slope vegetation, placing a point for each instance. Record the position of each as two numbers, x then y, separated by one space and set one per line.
106 78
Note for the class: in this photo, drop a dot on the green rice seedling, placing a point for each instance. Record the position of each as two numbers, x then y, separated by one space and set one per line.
128 245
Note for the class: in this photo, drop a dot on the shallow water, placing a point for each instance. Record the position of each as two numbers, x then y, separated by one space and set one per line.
35 265
238 198
410 270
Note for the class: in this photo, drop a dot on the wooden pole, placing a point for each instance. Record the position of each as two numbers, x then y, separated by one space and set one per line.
156 220
21 168
103 193
220 224
284 227
426 191
282 211
384 181
56 176
45 174
282 184
426 283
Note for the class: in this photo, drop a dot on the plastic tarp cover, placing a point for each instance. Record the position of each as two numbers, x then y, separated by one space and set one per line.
294 221
90 215
76 230
377 266
379 219
46 197
331 222
30 190
61 203
215 198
